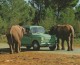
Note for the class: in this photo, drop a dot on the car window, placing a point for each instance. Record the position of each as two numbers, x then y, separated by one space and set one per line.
37 30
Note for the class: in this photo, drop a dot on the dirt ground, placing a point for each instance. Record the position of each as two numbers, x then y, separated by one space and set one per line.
33 58
43 57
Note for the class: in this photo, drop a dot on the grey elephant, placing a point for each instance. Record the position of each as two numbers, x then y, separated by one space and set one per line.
14 35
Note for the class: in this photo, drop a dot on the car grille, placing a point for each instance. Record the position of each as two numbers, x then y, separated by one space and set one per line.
47 39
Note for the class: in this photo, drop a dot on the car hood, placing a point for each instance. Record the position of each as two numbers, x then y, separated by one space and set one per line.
43 35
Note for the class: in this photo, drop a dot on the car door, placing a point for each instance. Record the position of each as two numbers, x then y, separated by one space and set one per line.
26 40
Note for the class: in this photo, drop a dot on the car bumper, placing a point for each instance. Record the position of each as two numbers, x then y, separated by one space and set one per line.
46 44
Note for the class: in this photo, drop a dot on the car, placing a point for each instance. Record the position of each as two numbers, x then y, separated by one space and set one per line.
36 38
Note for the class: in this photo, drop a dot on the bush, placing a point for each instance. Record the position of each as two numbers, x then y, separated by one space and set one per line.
3 39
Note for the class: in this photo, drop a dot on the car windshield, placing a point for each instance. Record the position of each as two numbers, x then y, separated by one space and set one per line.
37 30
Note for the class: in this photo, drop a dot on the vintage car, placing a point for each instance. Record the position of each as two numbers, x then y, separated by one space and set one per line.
36 38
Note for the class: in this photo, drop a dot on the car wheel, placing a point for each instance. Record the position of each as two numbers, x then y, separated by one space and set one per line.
36 45
52 47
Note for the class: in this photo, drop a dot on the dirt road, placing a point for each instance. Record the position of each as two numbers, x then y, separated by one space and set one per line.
42 57
4 48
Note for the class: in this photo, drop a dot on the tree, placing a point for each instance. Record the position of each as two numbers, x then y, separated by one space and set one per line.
63 4
3 26
77 19
57 5
77 12
16 11
67 16
39 6
49 20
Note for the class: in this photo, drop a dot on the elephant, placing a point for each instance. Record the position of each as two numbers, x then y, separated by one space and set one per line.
14 36
63 32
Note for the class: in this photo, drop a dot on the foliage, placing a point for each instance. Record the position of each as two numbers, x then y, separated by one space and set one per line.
77 22
49 20
67 16
17 11
77 13
14 12
3 26
41 12
60 5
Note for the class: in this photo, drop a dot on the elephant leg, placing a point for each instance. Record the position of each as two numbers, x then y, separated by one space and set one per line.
20 46
11 48
62 44
71 42
58 48
68 43
17 47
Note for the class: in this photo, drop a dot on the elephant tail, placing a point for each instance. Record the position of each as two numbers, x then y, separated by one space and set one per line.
72 35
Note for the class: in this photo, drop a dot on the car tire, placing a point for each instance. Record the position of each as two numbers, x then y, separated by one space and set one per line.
36 46
52 47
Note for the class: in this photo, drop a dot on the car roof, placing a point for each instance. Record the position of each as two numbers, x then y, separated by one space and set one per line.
30 26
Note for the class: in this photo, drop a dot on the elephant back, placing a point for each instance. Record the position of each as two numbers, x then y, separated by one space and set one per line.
17 31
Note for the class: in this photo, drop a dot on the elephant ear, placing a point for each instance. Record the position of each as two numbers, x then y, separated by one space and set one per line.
23 30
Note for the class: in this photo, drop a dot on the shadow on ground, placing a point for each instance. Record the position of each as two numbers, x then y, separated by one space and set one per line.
7 50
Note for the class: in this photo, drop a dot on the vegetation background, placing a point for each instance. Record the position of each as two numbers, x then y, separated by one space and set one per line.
39 12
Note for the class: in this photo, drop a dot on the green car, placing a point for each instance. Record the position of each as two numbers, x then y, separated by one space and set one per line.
37 38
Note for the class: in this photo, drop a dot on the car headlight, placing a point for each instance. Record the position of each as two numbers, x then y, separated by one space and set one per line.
42 39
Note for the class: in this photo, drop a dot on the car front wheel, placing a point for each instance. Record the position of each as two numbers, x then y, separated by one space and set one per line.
36 45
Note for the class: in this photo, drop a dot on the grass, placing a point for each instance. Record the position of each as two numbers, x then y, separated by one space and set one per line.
77 41
3 39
